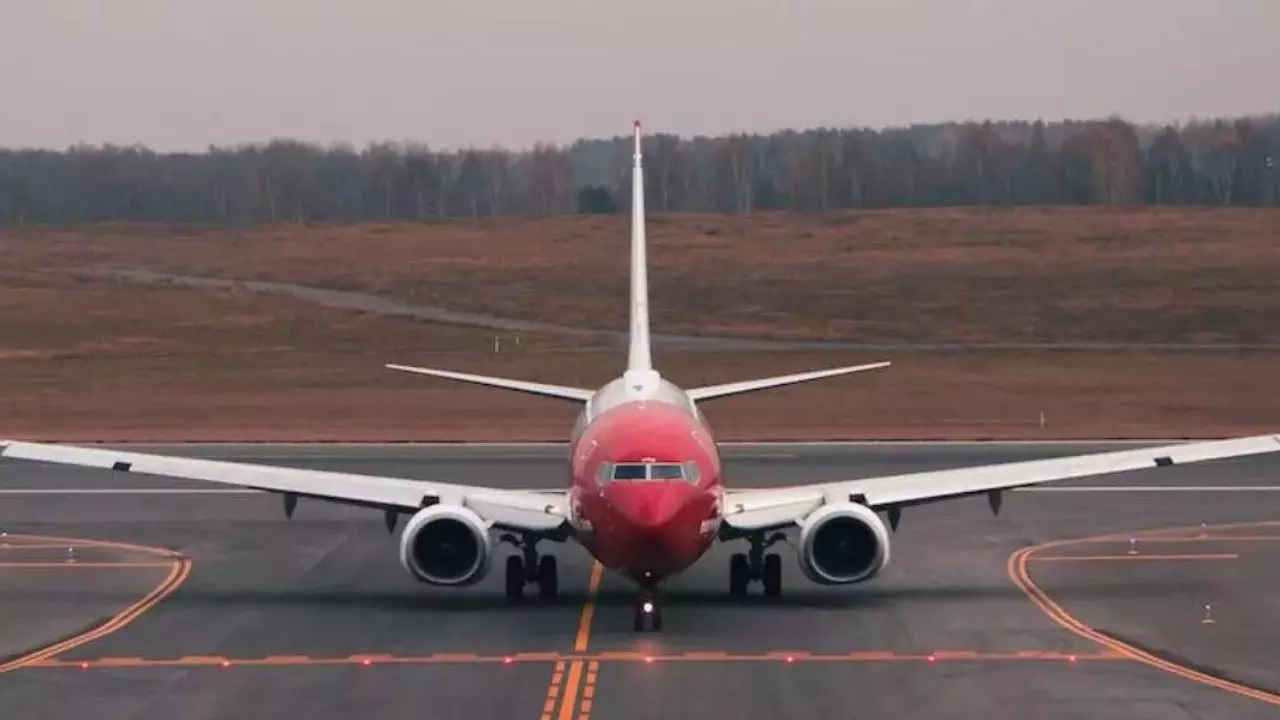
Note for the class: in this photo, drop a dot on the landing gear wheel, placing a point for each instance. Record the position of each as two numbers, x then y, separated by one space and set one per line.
548 581
515 577
739 574
772 576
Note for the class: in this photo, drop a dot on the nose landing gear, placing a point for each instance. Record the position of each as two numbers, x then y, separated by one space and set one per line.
647 612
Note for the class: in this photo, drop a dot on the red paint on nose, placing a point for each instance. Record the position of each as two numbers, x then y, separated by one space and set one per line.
653 506
650 506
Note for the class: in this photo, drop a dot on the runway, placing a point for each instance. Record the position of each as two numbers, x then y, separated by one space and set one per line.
315 617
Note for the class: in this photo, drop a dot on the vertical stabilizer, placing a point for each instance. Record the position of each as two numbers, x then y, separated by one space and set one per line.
639 356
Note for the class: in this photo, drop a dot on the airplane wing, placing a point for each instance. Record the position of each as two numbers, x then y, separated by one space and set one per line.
776 508
538 511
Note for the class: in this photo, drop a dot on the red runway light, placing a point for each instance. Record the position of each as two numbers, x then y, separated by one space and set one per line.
507 660
1071 659
84 666
933 658
226 663
648 658
366 662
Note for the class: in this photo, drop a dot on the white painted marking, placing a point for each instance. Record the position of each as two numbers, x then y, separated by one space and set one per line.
126 491
1154 488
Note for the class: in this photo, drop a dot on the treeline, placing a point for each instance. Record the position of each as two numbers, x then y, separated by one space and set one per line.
1110 162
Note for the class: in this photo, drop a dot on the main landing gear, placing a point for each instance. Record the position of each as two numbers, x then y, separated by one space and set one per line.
528 568
756 565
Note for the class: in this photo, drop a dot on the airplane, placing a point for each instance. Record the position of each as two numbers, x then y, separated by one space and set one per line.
646 494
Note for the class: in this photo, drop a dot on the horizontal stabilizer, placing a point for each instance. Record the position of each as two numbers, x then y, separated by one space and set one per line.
746 386
556 391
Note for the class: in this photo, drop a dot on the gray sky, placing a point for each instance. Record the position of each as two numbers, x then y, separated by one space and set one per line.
177 74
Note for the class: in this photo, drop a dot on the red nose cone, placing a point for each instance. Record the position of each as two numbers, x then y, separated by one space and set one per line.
651 507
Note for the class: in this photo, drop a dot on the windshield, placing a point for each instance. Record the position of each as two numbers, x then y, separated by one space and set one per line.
650 472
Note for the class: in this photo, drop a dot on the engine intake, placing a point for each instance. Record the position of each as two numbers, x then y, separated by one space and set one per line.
446 545
843 543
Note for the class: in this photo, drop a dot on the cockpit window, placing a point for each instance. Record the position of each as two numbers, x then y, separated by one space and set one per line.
629 471
666 472
650 472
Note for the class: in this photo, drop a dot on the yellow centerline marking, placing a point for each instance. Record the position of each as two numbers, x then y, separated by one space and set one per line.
1017 569
180 569
588 608
1104 558
567 690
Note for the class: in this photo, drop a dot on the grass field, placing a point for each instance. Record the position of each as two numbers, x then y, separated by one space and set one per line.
106 359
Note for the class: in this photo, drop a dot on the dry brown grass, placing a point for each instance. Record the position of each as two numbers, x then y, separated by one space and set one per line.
101 361
104 360
1024 275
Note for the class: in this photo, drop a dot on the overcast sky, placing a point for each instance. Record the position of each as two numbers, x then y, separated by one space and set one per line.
180 74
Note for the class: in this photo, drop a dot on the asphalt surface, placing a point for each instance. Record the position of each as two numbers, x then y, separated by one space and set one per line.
291 606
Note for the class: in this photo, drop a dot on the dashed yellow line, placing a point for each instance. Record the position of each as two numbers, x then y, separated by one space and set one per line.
588 691
553 691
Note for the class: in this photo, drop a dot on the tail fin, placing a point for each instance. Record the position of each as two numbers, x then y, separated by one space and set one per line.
639 355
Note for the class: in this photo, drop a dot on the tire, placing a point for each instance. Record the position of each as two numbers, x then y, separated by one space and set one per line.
548 578
739 574
515 577
772 579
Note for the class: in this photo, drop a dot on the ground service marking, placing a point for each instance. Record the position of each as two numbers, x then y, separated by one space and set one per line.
180 569
1017 569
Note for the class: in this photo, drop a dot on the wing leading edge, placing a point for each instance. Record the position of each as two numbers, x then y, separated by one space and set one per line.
749 510
525 510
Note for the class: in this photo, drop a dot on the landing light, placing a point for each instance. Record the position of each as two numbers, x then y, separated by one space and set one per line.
647 607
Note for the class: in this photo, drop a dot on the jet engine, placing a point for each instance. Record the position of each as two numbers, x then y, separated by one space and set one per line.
843 543
446 545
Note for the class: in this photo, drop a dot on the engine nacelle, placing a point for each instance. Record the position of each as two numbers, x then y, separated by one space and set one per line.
843 543
446 545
